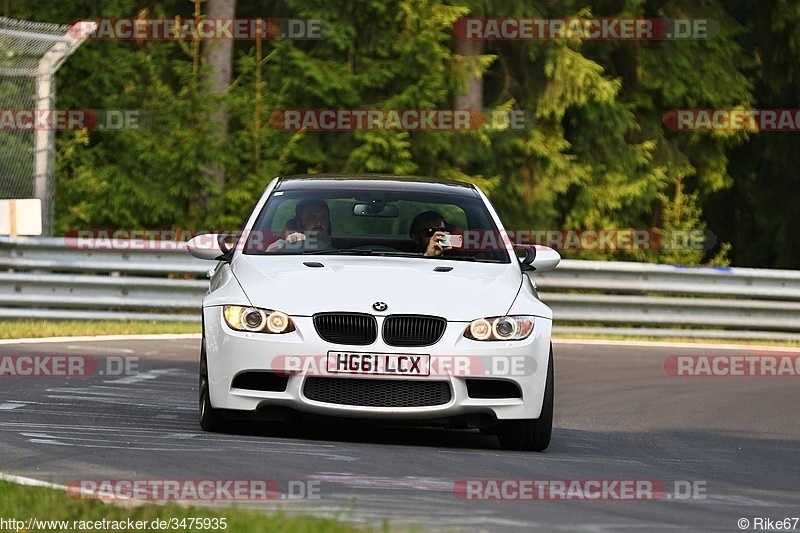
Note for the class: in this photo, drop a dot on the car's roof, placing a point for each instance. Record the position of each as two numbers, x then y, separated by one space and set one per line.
374 181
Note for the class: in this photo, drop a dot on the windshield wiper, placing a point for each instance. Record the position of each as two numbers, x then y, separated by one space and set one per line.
345 251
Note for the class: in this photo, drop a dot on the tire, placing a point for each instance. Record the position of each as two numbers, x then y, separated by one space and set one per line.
211 419
532 435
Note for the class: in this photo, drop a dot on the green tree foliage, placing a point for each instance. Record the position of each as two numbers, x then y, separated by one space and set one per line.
760 213
151 177
599 155
595 153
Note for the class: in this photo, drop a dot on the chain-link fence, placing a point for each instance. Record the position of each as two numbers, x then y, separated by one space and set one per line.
30 55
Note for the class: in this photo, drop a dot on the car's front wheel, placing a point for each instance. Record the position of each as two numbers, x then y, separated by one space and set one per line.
210 418
532 435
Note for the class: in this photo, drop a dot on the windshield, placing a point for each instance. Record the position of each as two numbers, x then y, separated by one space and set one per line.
380 222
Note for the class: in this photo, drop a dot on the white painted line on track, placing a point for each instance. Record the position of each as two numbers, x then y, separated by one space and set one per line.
38 435
9 406
30 482
49 441
100 349
144 376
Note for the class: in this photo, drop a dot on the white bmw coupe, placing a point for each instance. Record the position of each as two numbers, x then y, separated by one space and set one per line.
388 298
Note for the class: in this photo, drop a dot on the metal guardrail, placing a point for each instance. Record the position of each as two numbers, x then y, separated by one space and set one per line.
71 279
98 256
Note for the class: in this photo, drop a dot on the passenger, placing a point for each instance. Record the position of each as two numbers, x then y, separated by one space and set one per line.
428 230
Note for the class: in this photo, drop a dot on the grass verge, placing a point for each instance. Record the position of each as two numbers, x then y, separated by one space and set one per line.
18 329
25 503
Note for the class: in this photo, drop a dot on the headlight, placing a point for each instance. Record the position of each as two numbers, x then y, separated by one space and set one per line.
257 320
500 328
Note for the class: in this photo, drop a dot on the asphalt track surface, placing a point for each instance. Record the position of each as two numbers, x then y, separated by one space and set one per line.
618 416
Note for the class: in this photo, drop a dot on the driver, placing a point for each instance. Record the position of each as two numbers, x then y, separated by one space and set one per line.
312 221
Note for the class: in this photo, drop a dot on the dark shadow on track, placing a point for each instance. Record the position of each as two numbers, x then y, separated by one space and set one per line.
361 432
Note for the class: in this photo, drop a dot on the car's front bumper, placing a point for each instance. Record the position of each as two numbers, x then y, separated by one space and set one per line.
454 359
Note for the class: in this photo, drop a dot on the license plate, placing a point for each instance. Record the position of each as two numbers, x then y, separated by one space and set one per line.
383 364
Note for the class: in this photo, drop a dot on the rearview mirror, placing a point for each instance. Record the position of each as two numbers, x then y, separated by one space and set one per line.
376 209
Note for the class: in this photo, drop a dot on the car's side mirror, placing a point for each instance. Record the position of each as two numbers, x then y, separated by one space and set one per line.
538 258
530 255
210 246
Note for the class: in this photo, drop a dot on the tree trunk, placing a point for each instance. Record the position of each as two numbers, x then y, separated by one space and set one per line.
219 54
473 96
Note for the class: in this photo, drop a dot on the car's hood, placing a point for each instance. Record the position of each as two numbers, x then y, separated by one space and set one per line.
406 285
